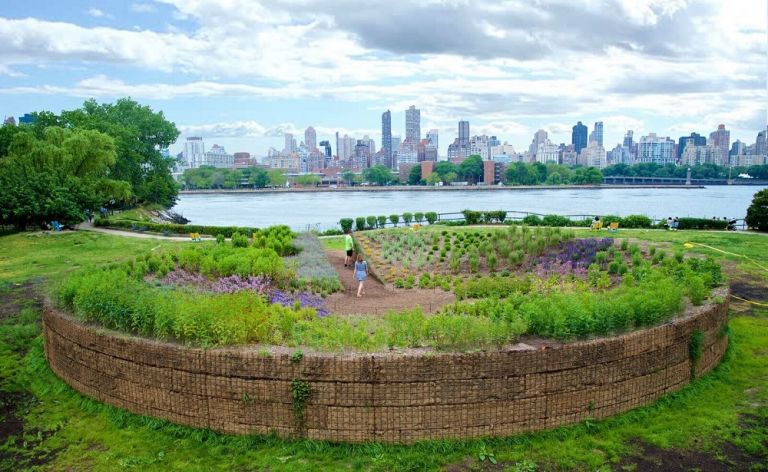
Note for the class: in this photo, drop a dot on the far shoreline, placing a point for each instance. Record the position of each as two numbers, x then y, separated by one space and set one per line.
424 188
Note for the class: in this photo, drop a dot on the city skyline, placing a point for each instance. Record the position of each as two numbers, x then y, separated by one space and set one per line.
242 74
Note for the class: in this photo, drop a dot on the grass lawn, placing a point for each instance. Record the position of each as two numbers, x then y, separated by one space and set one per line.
723 412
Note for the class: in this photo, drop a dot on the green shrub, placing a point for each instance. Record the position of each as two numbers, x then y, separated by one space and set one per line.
371 222
394 219
699 223
431 217
418 216
472 217
407 218
636 221
554 220
381 220
239 240
346 224
360 223
532 220
220 239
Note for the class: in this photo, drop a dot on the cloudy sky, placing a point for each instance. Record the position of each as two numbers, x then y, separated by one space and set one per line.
241 72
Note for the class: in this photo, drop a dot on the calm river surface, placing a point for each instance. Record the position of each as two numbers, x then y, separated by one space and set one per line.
322 210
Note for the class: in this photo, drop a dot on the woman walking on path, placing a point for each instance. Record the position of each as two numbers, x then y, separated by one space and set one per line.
361 274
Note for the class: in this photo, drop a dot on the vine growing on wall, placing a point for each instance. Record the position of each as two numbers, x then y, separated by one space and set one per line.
301 392
695 347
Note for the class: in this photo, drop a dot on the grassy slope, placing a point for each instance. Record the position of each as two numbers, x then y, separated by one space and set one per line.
90 436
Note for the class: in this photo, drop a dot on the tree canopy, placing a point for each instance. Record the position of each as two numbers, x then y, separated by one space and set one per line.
379 175
97 155
57 176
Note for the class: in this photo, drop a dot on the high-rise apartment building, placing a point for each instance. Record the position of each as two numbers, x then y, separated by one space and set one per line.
413 125
290 143
597 133
695 139
464 133
325 148
656 149
370 143
722 139
386 138
539 138
761 143
432 137
194 152
310 138
579 137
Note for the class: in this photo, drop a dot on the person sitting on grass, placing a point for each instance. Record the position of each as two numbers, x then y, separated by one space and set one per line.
349 246
596 224
361 274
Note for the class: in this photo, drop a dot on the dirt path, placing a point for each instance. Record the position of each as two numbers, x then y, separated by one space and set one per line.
378 298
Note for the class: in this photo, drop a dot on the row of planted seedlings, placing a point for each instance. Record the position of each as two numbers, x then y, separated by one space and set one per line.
403 257
250 291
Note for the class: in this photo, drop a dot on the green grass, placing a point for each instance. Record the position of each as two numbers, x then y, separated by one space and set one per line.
89 436
29 255
333 242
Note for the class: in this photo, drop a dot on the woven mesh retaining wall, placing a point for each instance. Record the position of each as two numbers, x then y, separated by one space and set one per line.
383 397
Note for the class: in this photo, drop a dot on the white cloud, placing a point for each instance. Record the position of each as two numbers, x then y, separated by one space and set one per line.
96 13
522 66
143 7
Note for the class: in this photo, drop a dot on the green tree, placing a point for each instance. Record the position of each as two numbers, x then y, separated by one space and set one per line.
308 180
414 176
348 176
57 177
521 174
276 178
258 177
757 213
139 134
446 169
471 169
587 175
433 178
379 175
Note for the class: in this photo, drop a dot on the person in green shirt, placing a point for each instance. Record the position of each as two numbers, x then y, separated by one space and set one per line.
349 246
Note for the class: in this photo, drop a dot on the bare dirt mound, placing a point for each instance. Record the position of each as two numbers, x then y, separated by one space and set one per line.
379 298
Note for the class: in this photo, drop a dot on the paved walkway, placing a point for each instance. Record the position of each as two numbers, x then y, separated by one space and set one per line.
85 226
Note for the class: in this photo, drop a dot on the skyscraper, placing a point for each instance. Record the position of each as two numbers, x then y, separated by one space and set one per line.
432 137
579 137
464 133
413 125
290 144
310 138
597 133
656 149
628 139
386 137
325 147
761 143
695 138
722 139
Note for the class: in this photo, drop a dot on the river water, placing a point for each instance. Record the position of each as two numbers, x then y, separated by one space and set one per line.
322 210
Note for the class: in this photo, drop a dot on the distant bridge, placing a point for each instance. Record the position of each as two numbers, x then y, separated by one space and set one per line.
630 180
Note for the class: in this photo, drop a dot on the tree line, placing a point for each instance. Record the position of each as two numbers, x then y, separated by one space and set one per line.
99 155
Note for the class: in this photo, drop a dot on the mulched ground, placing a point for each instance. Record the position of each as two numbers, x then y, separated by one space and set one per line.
378 298
655 459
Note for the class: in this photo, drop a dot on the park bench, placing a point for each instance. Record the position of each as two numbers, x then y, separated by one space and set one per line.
613 227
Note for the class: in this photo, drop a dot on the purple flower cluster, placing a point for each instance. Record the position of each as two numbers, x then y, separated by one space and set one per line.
574 257
303 299
180 277
236 283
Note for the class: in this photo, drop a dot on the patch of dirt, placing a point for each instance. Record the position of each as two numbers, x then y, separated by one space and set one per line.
378 298
21 445
656 459
17 296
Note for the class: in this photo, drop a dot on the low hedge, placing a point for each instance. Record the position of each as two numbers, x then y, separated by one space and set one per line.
698 223
170 228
